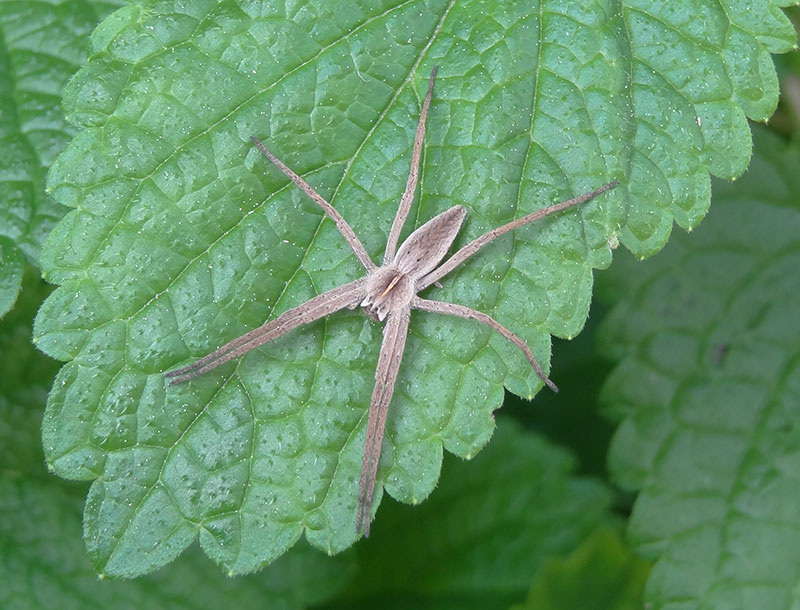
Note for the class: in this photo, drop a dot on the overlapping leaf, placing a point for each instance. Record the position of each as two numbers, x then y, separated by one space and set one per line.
26 376
708 385
182 237
42 45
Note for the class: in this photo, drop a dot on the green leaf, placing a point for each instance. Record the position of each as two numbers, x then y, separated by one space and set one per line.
26 376
490 525
12 264
43 562
183 237
707 337
572 417
41 46
602 574
44 566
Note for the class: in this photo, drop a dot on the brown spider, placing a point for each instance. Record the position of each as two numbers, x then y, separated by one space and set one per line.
389 293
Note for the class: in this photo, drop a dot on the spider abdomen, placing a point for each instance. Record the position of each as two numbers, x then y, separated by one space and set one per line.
425 247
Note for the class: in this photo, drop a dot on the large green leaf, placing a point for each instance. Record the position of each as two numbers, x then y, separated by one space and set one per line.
43 564
708 384
183 237
42 44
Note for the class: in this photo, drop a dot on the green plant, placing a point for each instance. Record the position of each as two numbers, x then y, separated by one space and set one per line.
171 239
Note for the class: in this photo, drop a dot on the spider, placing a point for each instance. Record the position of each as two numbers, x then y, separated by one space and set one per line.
387 293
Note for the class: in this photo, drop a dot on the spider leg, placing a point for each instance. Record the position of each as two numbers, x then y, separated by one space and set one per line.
345 229
476 244
394 341
347 295
413 176
470 314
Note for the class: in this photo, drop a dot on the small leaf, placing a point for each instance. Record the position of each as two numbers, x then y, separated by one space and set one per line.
602 574
183 236
707 384
43 44
12 264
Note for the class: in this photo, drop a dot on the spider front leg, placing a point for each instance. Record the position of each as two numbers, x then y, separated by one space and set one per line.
413 176
347 295
341 224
